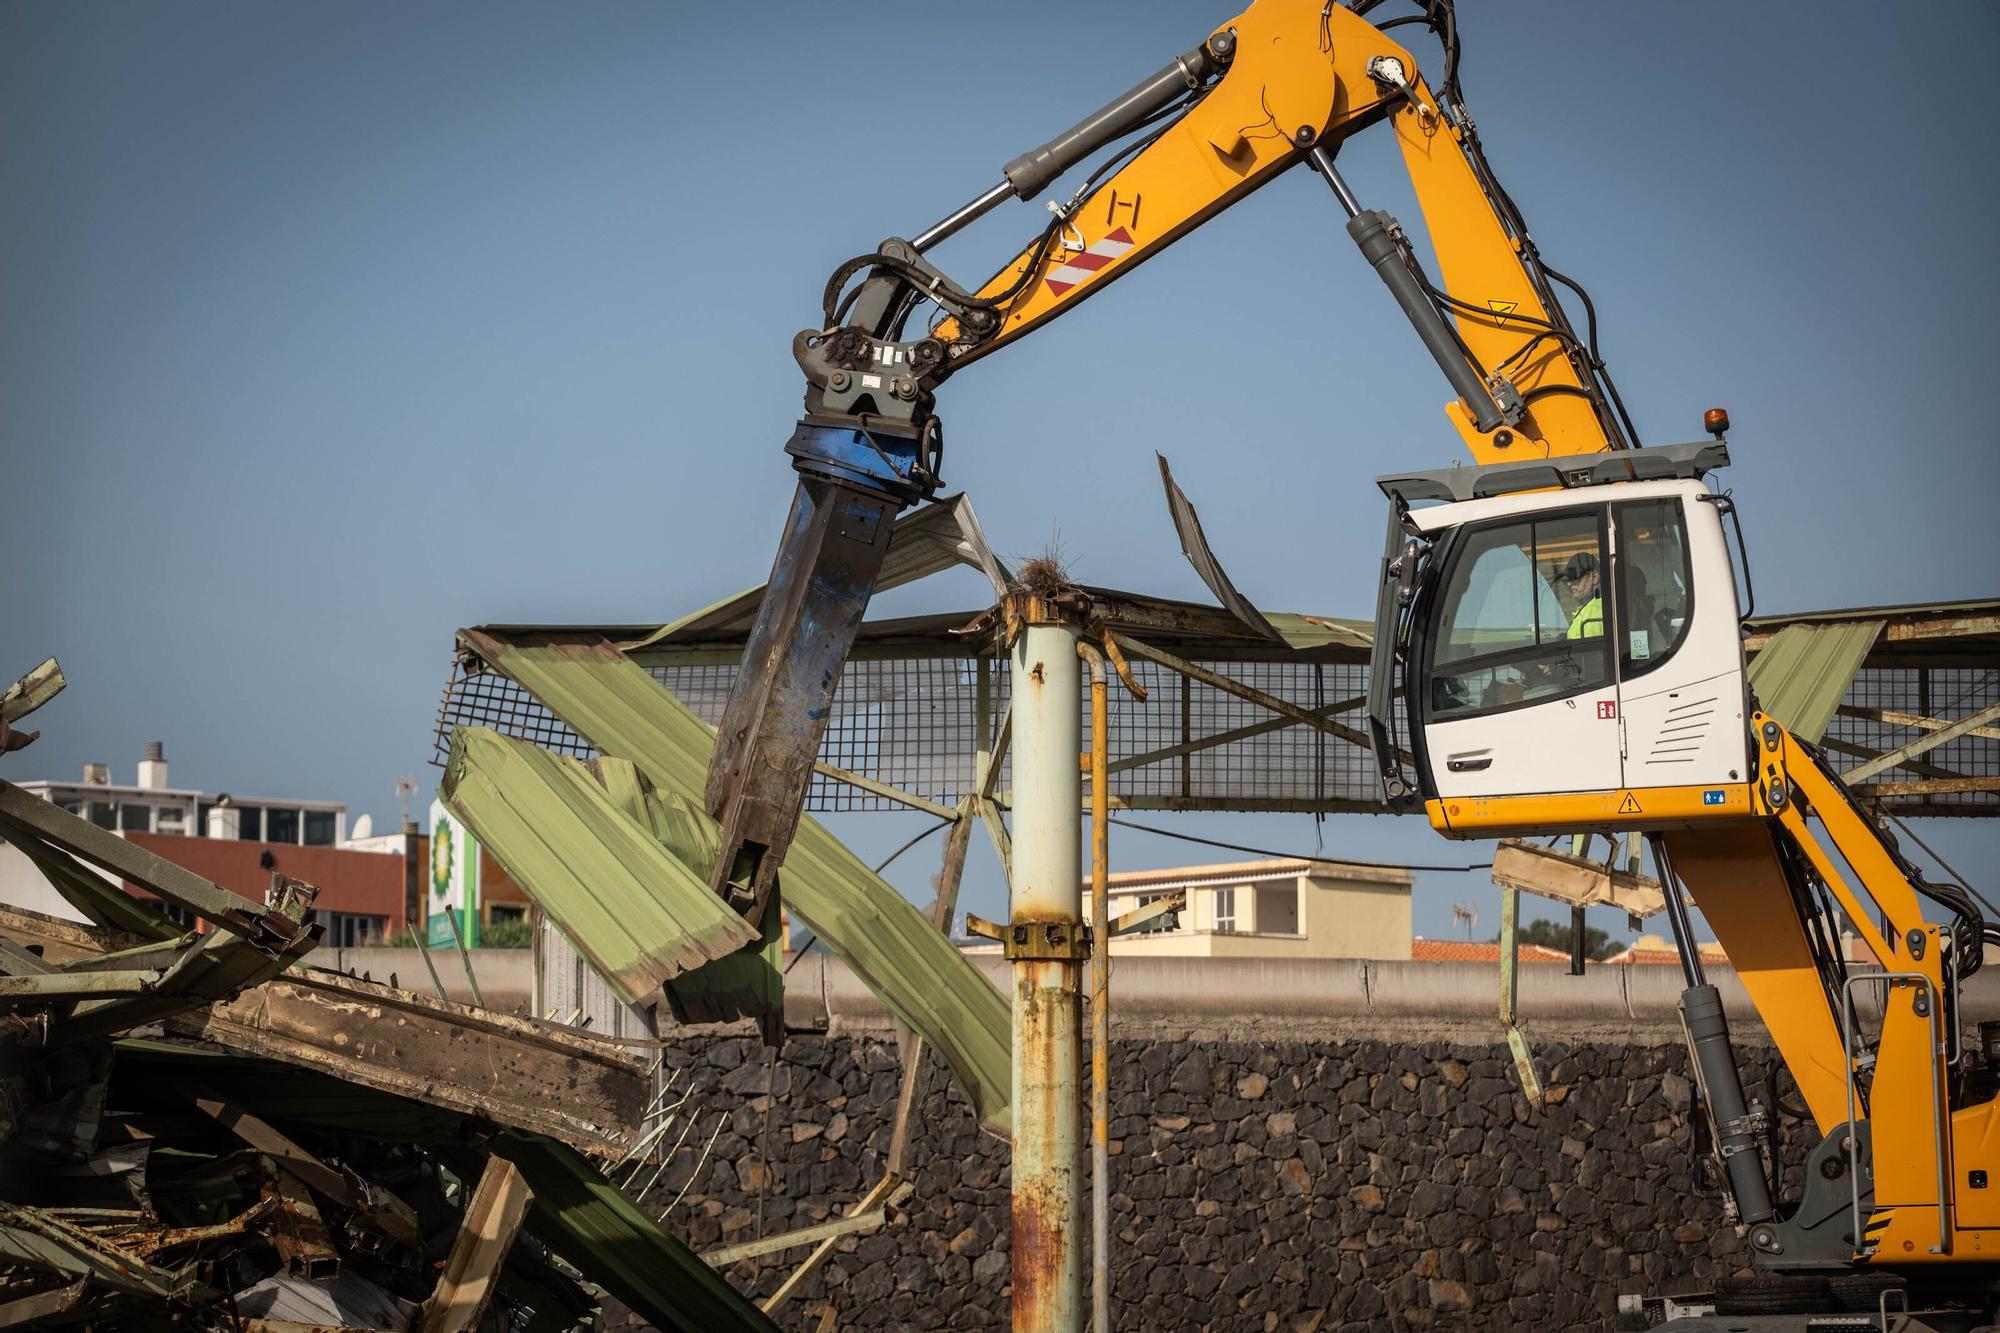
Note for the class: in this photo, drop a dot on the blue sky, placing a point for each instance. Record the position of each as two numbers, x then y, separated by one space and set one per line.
329 329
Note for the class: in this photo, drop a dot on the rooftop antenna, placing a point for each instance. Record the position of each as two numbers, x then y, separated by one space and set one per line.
1466 913
404 787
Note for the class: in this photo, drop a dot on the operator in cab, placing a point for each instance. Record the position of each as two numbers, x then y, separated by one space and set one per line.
1580 574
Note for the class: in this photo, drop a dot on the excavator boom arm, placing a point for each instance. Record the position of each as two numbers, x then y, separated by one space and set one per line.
1301 81
1281 82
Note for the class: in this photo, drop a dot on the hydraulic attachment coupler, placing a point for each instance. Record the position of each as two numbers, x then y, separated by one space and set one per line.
853 479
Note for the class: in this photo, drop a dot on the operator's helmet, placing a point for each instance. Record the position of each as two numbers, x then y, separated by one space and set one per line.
1578 565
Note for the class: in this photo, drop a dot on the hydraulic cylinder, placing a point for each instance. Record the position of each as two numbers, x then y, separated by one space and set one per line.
1736 1129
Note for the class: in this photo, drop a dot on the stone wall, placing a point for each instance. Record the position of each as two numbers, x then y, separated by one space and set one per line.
1281 1185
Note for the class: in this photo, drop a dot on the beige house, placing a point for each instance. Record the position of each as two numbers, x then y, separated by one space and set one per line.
1270 909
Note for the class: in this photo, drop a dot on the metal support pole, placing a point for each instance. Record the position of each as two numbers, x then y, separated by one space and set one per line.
418 930
1043 944
464 955
1510 980
1100 992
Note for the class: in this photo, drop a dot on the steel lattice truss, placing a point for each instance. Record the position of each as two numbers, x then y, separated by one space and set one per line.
917 724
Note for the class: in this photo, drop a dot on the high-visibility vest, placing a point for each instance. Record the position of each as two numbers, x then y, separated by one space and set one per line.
1588 622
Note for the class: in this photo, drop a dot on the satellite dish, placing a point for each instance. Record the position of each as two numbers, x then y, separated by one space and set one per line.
364 827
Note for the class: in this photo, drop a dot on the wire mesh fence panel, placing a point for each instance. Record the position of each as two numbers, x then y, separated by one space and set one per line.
1874 718
489 699
917 724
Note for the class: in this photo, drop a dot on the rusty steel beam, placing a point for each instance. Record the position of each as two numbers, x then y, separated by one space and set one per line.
298 1232
220 964
1247 693
1166 904
789 1288
1576 880
588 1091
1923 744
1944 627
1921 768
1891 717
884 790
48 986
1230 737
1179 621
1889 791
849 1225
23 697
30 1311
379 1208
60 939
149 1243
37 1238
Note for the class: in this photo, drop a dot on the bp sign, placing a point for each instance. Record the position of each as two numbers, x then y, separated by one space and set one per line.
454 881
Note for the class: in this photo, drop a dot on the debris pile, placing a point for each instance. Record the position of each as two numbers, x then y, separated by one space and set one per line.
200 1130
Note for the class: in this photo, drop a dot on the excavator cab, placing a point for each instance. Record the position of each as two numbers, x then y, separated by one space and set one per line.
1563 638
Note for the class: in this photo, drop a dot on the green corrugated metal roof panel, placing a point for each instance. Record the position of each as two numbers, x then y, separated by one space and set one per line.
639 914
612 1241
1972 606
896 952
748 981
1303 631
1803 673
924 542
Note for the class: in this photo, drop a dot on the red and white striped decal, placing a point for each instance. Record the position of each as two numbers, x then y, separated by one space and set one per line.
1086 262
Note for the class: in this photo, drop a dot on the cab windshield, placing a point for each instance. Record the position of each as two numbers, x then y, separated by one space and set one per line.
1521 619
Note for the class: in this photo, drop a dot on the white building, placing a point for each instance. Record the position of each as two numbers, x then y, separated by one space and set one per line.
151 806
1288 908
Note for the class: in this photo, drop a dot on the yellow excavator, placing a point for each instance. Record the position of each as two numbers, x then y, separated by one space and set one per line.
1557 644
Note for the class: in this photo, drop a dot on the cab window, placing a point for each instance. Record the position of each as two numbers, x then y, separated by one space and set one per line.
1521 619
1655 583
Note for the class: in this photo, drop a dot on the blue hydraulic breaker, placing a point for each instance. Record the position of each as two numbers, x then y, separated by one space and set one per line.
852 481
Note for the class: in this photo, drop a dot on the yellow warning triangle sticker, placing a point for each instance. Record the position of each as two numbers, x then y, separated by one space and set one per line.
1630 805
1503 309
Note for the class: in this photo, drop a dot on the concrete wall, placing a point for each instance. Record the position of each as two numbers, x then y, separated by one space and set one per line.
506 976
1295 1146
1260 997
